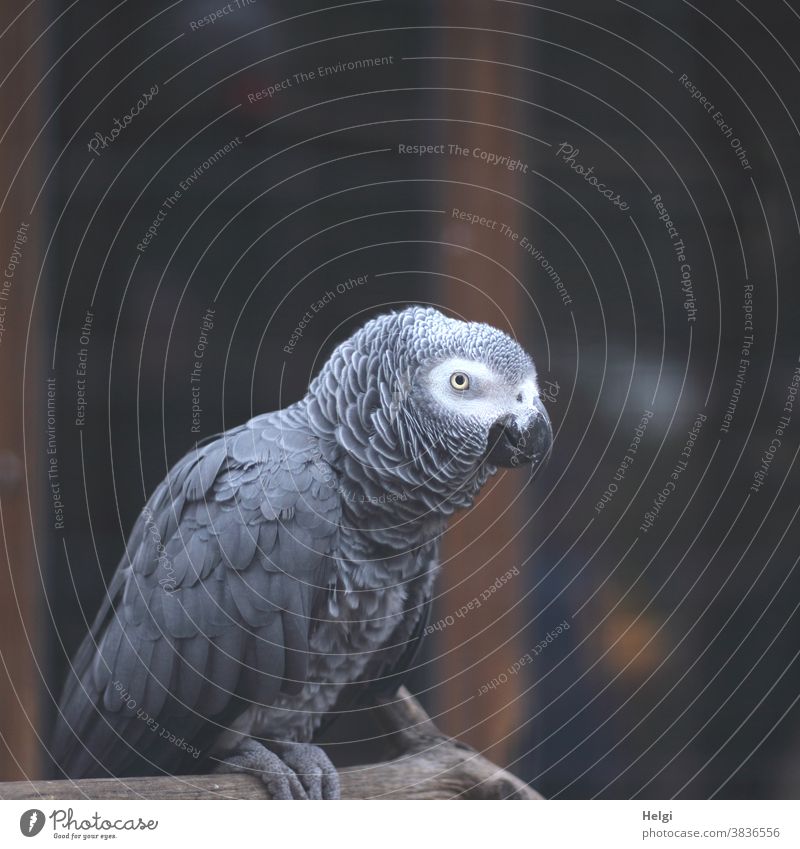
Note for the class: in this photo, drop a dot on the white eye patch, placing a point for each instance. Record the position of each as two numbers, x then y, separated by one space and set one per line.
478 373
487 397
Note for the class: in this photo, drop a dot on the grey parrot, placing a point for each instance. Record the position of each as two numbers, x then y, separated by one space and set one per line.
285 569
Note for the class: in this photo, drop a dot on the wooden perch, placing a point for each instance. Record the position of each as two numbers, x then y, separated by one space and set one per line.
429 765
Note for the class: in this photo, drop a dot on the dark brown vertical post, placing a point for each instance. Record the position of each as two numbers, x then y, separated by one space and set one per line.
24 388
473 541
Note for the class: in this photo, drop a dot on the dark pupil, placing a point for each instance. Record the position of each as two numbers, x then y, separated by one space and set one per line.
460 379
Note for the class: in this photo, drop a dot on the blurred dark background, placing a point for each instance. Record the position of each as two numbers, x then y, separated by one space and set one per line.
678 675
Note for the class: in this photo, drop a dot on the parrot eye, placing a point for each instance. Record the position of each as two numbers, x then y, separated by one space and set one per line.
459 381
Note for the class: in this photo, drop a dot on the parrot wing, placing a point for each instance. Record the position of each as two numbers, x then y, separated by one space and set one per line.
209 609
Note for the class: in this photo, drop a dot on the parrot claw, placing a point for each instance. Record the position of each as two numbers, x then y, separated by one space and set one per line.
312 767
289 770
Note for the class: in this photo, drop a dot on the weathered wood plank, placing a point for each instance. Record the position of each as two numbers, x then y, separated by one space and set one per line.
436 775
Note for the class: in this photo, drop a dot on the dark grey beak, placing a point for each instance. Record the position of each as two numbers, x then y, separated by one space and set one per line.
510 447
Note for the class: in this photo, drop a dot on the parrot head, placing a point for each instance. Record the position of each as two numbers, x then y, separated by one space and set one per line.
435 402
474 390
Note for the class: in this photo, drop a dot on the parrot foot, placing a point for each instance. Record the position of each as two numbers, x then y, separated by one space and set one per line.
289 770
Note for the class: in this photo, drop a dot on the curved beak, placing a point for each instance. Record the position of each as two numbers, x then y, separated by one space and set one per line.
511 445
